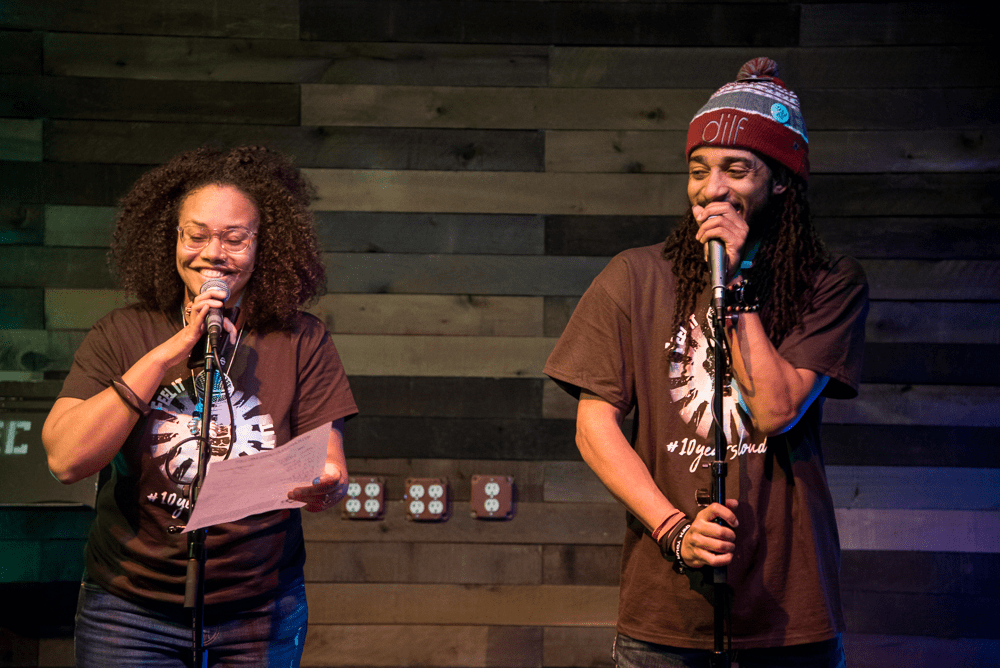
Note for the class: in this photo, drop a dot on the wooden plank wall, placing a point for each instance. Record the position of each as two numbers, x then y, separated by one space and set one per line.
477 163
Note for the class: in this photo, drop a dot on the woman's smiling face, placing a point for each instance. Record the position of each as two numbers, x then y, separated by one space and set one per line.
212 211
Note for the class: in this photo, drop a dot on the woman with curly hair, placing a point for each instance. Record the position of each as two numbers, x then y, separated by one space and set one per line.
134 400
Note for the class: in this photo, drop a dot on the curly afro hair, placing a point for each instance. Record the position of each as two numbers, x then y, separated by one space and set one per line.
288 270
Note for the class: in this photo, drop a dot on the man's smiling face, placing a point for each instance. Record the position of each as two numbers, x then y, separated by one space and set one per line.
730 175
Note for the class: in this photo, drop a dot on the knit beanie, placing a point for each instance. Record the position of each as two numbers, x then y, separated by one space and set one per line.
757 113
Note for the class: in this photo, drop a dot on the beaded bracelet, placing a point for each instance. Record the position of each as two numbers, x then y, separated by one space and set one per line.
129 397
743 297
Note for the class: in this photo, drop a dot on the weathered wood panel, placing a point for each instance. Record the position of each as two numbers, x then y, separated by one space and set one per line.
462 647
20 140
495 192
136 100
80 309
54 267
513 398
374 273
635 194
877 529
579 646
923 194
223 18
897 487
65 183
489 356
431 314
22 308
891 326
80 226
804 69
501 605
534 439
953 405
481 438
291 61
971 616
888 321
424 563
332 147
878 651
604 235
950 573
899 108
452 645
492 107
575 605
910 445
627 109
877 403
891 23
962 364
416 644
20 52
348 231
937 237
378 232
918 280
873 152
635 24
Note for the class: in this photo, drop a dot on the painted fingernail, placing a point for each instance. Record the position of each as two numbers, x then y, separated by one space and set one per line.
316 481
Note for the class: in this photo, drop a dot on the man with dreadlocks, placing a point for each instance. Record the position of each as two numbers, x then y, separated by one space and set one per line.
642 338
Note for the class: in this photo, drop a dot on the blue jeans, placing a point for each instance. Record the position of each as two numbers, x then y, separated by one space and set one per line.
112 632
632 653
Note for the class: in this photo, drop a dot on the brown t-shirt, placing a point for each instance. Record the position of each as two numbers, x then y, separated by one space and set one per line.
282 384
619 345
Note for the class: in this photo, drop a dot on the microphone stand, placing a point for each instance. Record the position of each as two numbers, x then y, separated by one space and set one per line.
194 590
720 656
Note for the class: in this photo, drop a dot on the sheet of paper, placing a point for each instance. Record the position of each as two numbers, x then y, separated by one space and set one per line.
236 488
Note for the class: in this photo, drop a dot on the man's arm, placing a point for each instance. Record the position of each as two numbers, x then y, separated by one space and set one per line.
606 450
776 393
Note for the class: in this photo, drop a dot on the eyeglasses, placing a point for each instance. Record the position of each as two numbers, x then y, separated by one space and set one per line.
234 240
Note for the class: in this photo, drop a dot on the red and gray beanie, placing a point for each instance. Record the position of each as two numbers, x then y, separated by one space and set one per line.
757 113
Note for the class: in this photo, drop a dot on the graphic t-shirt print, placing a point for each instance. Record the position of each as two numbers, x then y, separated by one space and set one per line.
692 382
175 425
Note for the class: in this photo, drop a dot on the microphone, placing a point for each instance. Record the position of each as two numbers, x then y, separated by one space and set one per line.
717 265
214 319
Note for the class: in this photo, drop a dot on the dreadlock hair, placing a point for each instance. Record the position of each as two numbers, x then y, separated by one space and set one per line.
790 254
288 271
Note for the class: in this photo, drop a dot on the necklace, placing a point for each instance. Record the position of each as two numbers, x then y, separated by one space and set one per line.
221 376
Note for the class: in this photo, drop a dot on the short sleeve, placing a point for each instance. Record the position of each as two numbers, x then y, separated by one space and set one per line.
594 352
323 393
109 349
830 340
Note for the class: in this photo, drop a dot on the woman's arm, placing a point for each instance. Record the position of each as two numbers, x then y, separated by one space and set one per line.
330 487
82 436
